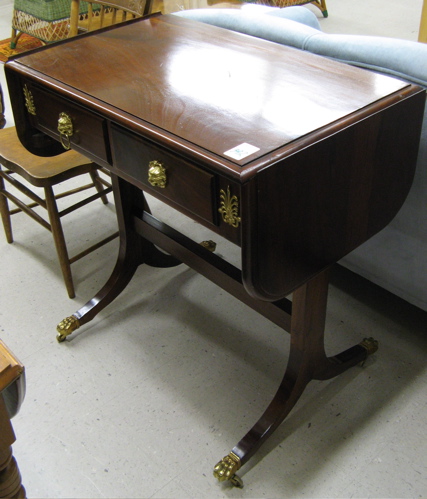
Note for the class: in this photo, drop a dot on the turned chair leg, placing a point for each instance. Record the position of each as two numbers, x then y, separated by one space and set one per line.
323 8
15 37
59 239
98 185
5 212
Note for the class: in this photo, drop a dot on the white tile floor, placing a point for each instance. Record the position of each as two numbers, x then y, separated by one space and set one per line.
150 395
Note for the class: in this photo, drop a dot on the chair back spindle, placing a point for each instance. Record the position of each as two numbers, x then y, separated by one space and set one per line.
103 13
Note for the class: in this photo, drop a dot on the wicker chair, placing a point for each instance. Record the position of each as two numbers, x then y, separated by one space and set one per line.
103 13
321 4
422 36
47 20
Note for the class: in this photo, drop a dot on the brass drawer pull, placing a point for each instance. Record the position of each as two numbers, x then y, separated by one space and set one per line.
157 174
65 129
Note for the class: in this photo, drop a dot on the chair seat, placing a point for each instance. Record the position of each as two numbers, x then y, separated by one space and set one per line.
37 170
44 173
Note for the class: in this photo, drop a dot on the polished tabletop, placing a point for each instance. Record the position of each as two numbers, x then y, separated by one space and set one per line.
216 92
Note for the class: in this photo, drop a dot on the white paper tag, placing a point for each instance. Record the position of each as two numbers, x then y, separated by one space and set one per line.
241 151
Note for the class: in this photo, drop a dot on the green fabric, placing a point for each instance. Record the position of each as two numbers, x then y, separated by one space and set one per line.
48 10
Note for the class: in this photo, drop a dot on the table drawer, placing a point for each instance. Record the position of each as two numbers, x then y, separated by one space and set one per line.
165 175
86 132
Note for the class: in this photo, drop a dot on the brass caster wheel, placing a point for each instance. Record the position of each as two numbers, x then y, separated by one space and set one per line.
236 481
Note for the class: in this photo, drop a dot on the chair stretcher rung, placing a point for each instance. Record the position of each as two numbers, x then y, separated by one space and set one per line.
84 202
21 187
94 247
27 209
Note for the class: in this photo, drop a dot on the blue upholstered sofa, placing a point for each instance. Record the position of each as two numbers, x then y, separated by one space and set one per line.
396 258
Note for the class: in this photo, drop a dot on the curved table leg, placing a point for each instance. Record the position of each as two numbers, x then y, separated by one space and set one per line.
307 361
122 274
134 250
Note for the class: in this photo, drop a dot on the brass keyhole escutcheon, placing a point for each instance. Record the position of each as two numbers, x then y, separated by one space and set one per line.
65 129
157 174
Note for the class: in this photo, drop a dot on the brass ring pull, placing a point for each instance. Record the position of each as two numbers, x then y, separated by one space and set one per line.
65 129
157 174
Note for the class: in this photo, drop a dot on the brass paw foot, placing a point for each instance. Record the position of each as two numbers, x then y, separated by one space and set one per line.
226 470
209 245
66 327
370 345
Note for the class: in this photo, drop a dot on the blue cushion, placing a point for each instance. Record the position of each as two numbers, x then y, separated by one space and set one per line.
298 27
401 58
266 26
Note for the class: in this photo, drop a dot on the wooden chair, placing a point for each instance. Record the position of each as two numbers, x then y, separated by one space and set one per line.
101 14
45 173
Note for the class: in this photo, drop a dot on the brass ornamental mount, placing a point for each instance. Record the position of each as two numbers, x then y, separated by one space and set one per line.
157 174
65 129
229 208
29 101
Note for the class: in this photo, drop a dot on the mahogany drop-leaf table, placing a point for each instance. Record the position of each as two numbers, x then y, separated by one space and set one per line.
295 158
